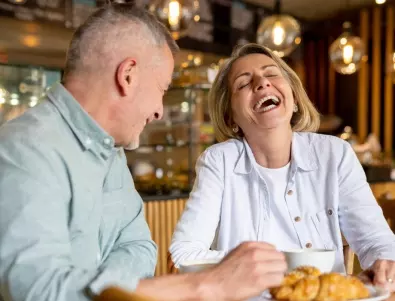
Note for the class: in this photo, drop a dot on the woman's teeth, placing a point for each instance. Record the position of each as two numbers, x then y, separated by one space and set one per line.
267 103
269 107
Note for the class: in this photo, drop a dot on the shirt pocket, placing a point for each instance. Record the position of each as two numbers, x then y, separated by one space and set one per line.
323 222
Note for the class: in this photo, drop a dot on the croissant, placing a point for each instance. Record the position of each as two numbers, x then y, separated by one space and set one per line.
308 284
282 292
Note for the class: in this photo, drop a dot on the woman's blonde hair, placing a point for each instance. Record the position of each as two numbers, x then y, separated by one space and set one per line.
306 119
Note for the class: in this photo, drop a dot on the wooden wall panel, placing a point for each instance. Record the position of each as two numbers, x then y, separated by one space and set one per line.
388 85
322 98
311 72
331 86
376 72
162 218
363 84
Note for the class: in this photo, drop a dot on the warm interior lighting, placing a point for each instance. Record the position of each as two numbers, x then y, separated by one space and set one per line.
3 92
33 101
392 67
14 101
177 15
30 41
279 53
348 52
278 34
380 1
174 14
197 60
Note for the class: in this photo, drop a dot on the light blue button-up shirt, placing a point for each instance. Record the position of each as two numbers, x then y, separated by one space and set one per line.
326 195
71 221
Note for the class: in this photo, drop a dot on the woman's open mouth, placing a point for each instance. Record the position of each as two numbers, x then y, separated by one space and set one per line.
267 103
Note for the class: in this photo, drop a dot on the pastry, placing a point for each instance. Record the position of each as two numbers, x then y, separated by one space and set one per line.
308 284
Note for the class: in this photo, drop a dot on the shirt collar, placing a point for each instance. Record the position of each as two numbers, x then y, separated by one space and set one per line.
303 155
88 132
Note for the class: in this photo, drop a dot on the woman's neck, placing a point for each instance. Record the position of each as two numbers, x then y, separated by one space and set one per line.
271 148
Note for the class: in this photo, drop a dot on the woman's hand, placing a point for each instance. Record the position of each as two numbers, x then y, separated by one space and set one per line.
382 273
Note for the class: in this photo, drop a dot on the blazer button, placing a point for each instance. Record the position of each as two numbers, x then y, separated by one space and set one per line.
309 245
297 219
290 192
330 211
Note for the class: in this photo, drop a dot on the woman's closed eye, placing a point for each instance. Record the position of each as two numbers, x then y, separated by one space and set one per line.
271 74
242 85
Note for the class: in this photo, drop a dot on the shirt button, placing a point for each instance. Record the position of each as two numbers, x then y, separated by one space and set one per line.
330 211
107 141
88 141
290 192
297 219
309 245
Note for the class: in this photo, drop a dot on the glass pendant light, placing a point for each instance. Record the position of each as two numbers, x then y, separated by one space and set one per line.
347 51
177 15
281 33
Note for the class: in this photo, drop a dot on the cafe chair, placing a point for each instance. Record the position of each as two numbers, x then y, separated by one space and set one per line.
118 294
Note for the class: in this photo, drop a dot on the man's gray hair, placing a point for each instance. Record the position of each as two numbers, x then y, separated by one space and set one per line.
103 32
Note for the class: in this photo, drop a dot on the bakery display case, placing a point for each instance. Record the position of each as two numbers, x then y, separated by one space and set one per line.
22 87
163 167
165 161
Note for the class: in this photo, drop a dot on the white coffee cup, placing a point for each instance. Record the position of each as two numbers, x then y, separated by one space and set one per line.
193 266
322 259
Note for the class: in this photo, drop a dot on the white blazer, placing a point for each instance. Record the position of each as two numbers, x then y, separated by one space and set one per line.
327 190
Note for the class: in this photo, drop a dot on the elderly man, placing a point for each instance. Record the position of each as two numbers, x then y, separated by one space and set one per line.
71 222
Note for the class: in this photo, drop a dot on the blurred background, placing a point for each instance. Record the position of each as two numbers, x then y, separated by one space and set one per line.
343 51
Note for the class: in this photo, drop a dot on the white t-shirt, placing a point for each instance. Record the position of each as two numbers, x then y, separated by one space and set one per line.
282 232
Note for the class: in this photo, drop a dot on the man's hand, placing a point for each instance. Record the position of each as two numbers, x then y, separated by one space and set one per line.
382 273
246 272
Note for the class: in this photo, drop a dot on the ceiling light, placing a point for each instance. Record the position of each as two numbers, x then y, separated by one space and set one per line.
280 33
177 15
347 51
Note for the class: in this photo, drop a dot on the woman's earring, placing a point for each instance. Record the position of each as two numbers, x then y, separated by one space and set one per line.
296 107
235 128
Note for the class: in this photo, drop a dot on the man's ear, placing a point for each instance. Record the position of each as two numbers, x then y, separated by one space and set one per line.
126 74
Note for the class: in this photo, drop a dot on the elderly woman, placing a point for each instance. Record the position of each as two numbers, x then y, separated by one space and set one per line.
271 179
